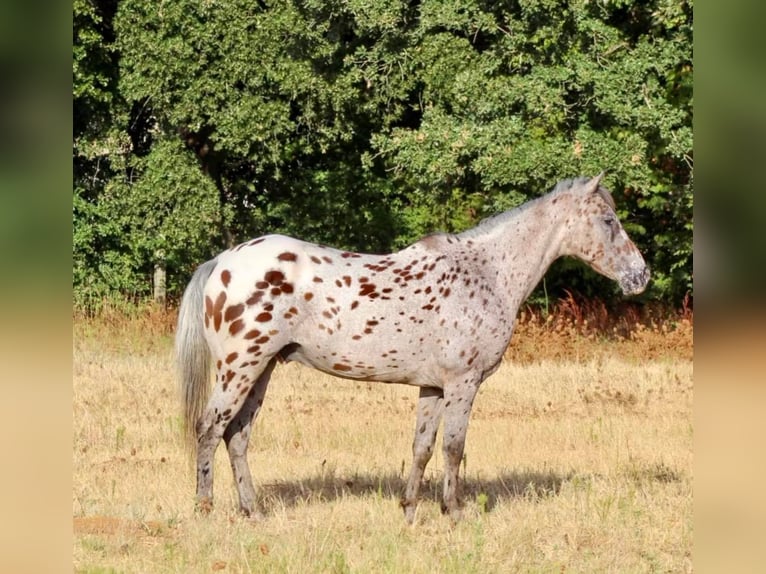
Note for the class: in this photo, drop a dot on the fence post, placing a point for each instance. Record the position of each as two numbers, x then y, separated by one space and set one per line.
160 282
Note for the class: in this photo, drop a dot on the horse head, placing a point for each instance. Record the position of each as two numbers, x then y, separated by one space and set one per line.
596 236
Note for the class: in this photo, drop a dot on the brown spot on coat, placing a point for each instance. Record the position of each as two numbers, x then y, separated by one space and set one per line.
236 327
287 256
233 311
263 317
274 277
367 289
341 367
255 298
225 277
217 308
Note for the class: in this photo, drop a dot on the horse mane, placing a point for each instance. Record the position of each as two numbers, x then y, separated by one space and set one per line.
498 218
574 184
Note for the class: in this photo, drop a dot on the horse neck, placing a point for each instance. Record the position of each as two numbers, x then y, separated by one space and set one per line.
526 242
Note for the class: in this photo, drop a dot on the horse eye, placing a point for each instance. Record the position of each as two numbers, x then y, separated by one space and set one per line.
609 220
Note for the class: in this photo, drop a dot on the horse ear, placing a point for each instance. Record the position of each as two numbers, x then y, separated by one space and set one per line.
594 182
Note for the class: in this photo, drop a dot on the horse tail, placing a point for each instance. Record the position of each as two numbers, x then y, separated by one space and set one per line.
192 353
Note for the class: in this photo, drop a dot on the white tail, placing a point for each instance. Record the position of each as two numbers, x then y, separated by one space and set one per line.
192 353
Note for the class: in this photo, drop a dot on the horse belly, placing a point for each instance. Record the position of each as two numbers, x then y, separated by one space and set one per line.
352 366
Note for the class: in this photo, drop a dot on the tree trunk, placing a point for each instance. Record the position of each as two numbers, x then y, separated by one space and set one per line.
160 283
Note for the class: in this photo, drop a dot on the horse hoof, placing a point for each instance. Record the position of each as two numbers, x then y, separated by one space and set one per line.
204 506
252 515
409 509
455 513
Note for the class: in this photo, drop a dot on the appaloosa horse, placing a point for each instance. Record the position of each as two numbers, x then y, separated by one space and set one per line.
437 315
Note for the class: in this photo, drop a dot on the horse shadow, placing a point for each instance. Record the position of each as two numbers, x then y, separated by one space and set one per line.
328 487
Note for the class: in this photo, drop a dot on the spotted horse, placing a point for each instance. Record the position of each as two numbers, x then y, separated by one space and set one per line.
438 315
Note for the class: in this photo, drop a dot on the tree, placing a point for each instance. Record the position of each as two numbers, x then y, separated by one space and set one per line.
518 95
367 124
99 150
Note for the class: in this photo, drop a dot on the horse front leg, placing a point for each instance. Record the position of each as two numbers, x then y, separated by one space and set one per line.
430 407
457 412
237 437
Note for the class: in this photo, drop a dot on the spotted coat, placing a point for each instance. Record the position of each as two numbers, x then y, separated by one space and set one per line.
438 315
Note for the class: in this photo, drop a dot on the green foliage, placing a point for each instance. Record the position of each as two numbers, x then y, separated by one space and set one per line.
517 98
367 124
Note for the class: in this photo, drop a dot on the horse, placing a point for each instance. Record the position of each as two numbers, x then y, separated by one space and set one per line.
437 315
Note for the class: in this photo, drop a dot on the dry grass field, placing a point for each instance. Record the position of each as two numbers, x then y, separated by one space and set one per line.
576 461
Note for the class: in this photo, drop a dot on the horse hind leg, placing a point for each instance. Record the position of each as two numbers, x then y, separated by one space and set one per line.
231 391
237 436
430 406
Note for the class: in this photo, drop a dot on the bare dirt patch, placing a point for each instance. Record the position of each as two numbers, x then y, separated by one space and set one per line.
111 525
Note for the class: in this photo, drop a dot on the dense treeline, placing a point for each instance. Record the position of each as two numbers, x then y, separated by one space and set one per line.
366 123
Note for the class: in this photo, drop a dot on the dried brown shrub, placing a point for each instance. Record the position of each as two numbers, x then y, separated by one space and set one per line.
573 330
579 330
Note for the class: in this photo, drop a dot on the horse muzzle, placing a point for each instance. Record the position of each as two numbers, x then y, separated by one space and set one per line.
635 281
